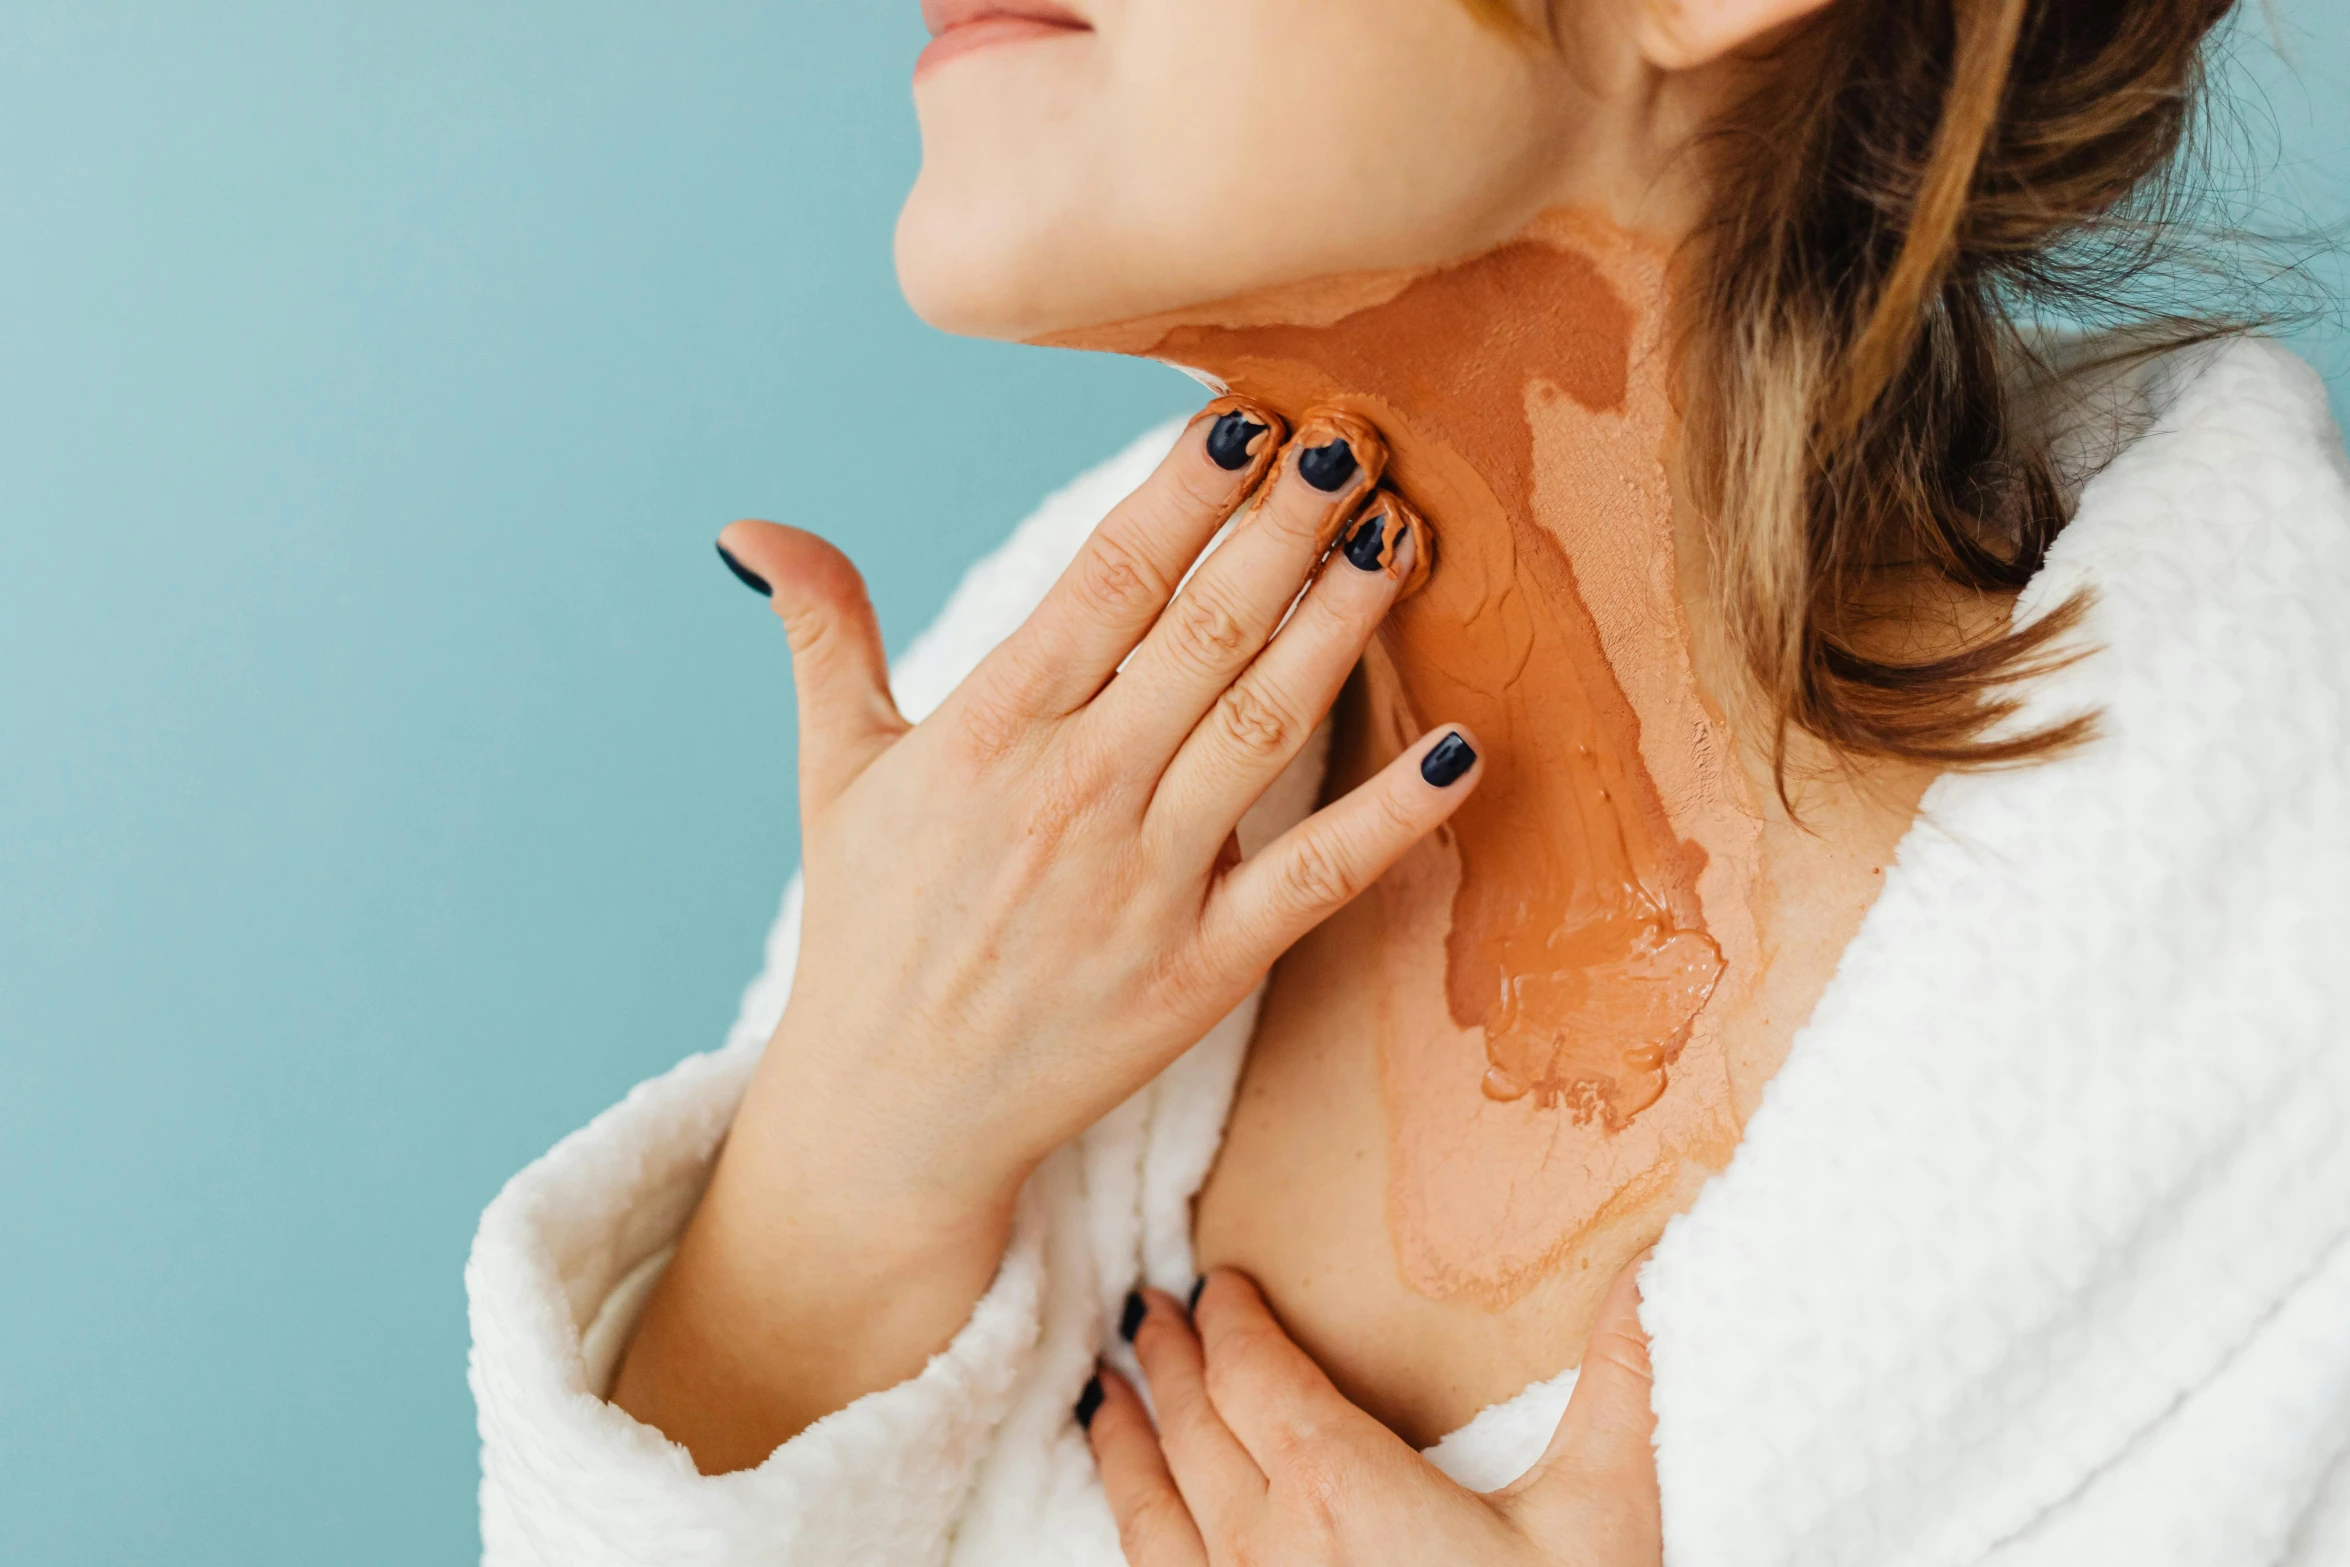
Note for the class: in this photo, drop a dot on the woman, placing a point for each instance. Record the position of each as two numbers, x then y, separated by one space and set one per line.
1674 639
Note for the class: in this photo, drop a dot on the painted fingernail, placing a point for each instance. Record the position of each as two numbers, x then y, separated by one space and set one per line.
1130 1320
1191 1301
1327 467
1232 440
744 574
1089 1404
1367 547
1444 765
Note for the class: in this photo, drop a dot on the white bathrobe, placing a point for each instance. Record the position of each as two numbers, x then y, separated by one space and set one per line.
2037 1250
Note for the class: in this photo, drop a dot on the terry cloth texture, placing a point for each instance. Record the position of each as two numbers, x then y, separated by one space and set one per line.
2037 1251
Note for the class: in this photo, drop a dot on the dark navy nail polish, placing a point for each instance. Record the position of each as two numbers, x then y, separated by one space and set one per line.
1089 1404
1191 1303
745 575
1368 543
1327 468
1230 437
1130 1320
1444 765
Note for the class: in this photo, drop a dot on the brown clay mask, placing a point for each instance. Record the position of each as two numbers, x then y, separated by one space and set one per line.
1551 962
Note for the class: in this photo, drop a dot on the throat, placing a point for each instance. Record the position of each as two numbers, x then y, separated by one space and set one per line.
1553 962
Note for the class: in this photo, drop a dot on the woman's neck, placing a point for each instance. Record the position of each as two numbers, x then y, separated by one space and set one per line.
1607 863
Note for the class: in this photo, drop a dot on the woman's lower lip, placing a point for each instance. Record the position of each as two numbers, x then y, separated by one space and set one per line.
986 32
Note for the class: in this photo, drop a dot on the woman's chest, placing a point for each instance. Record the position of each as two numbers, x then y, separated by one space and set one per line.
1435 1247
1430 1266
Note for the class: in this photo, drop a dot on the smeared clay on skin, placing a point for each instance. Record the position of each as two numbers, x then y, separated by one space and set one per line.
1553 963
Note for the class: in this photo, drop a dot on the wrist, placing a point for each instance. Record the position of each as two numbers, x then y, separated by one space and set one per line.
872 1147
799 1286
782 1210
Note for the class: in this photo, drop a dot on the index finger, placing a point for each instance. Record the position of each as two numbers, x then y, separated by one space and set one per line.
1155 1529
1135 559
1269 1391
1212 1469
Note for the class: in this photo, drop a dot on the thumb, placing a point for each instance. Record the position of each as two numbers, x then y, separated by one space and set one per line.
1601 1461
847 716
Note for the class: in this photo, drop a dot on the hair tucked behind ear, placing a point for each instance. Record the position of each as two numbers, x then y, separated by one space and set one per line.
1911 183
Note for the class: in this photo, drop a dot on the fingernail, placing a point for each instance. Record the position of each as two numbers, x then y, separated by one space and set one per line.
1327 467
1130 1320
1231 439
744 574
1368 546
1089 1403
1191 1301
1444 765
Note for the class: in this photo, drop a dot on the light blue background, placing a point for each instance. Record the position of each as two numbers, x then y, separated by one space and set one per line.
389 775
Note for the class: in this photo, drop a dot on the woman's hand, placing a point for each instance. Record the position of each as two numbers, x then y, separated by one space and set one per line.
1021 909
1257 1458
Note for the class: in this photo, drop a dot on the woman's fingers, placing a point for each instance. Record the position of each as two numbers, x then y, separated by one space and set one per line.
1258 726
1307 874
1269 1392
1598 1476
1111 593
847 716
1154 1526
1232 604
1213 1471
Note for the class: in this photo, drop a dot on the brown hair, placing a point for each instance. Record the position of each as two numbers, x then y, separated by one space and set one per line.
1909 185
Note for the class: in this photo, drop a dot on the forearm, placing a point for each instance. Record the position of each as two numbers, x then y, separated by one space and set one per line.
802 1283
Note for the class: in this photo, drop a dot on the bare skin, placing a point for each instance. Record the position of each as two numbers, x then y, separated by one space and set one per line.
1481 1088
1306 1215
959 1013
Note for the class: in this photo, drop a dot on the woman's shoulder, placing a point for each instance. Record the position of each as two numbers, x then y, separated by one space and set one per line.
2250 404
2212 536
997 593
2038 1219
2213 553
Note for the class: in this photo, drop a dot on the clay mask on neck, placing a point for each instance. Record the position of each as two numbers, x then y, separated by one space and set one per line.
1553 963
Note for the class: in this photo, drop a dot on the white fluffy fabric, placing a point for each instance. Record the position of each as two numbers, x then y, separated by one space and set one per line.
2037 1251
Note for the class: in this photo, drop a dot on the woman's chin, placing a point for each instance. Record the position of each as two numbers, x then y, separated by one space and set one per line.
978 280
951 305
962 276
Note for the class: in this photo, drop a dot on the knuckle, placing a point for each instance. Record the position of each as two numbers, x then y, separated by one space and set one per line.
993 729
1033 663
1628 1352
1396 818
1178 980
808 628
1252 724
1207 631
1115 581
1317 876
1057 809
1318 1481
1086 771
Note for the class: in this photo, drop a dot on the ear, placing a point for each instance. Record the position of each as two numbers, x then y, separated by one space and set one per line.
1679 35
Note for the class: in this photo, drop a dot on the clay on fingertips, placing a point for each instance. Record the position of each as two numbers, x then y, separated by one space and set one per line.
1403 520
1263 447
1322 426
